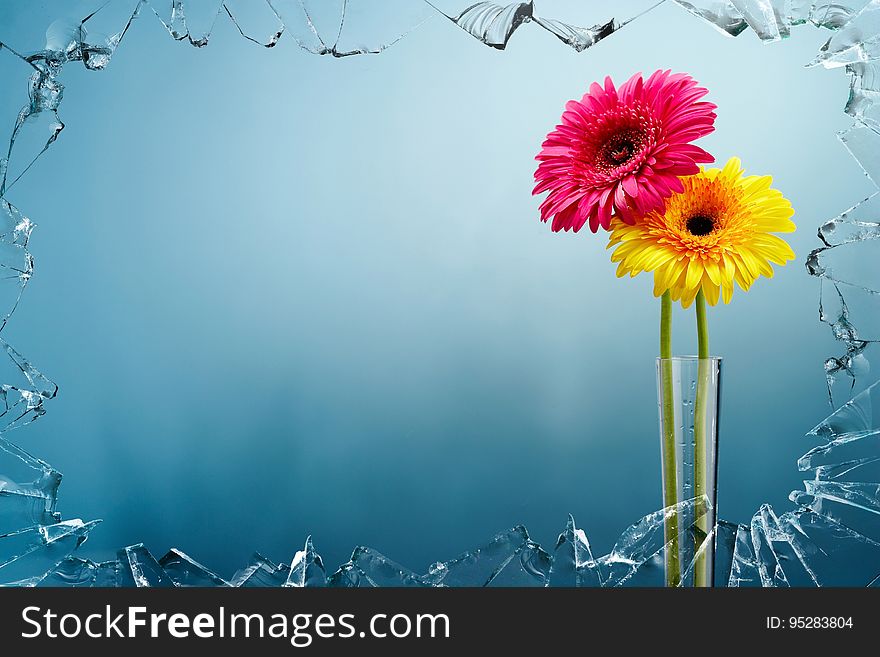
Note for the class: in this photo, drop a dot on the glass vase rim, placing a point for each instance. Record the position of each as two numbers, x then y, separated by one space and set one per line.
716 359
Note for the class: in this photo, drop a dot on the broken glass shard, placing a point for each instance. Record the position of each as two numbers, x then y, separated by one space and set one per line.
186 571
853 457
76 572
860 222
768 19
850 452
255 20
199 17
28 489
866 75
509 559
831 553
22 508
368 568
782 13
45 91
851 504
491 23
855 418
844 373
28 554
851 312
864 94
863 143
103 30
836 14
581 26
573 562
721 14
638 556
139 568
799 11
307 568
366 29
62 38
170 14
16 262
342 28
779 563
579 38
35 131
23 390
531 568
851 280
348 577
744 564
260 572
860 495
37 124
834 311
85 30
315 26
856 40
849 301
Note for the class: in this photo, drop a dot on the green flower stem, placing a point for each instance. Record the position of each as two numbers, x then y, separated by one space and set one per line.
701 575
670 484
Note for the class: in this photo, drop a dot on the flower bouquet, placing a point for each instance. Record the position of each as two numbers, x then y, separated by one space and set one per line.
622 159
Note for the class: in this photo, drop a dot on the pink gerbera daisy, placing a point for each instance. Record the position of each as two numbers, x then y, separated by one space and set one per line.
621 151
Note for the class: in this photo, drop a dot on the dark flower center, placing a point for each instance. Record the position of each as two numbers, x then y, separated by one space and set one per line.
700 224
621 151
620 148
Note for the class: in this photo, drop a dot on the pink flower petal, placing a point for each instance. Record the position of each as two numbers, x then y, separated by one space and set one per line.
619 151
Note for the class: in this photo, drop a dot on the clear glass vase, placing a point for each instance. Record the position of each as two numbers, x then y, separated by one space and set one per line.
689 396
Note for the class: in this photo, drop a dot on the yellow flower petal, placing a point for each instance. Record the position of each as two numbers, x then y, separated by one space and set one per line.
713 271
710 291
727 293
694 274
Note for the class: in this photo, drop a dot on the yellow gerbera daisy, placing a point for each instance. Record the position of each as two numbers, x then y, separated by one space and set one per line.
717 231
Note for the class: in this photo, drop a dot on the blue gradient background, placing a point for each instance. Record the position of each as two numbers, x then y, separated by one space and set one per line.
284 294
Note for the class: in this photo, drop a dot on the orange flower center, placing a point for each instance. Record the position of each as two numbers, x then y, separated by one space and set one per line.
705 220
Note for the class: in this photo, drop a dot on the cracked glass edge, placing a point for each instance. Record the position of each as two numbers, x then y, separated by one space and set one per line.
837 519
